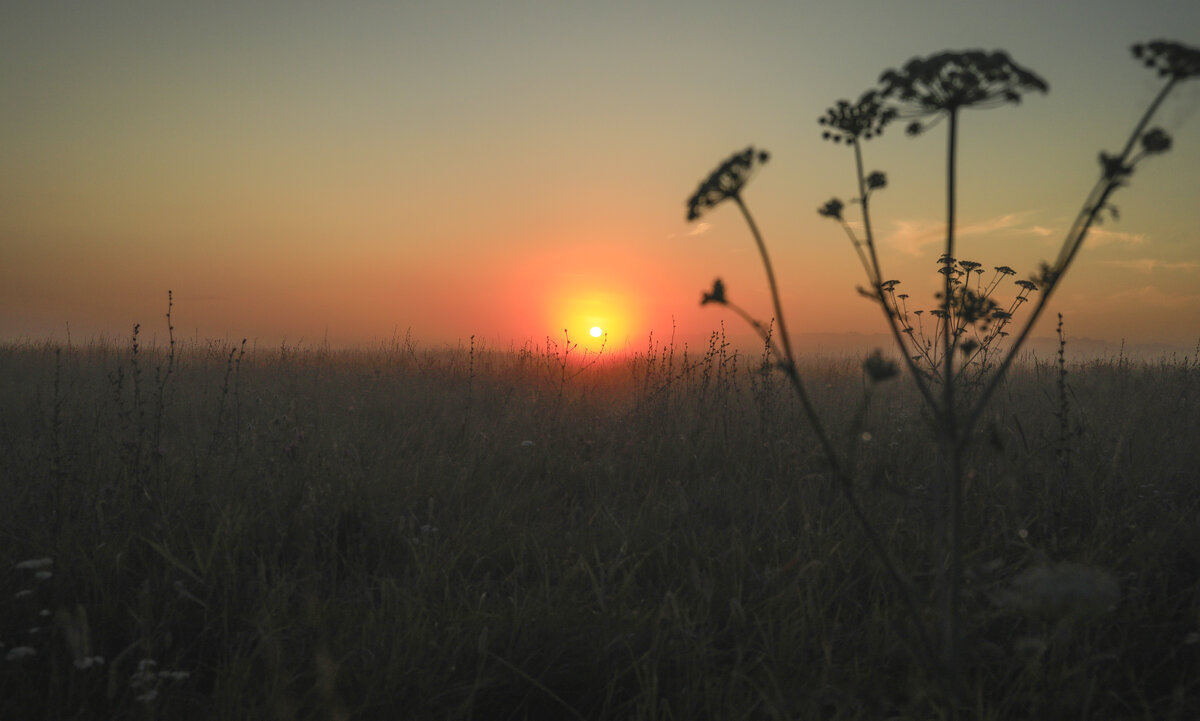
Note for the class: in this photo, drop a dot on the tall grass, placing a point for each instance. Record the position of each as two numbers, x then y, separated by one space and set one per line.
316 536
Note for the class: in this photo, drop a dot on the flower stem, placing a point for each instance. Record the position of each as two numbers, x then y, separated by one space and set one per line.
951 459
875 276
842 478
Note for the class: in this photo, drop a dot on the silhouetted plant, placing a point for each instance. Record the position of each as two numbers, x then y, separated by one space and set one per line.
969 322
976 319
706 198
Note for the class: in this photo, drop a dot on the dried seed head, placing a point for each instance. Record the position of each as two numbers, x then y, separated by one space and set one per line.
726 181
848 122
1170 59
1156 141
949 81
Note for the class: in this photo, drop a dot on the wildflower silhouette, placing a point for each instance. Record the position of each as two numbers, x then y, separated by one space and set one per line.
716 295
863 120
1174 60
974 317
926 91
1177 63
727 183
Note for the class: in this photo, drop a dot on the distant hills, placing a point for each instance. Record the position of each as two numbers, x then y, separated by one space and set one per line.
1045 347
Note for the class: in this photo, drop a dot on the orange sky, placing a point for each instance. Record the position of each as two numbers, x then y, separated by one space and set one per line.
510 170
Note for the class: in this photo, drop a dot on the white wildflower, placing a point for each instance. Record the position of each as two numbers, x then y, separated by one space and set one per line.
19 652
1065 589
88 662
35 564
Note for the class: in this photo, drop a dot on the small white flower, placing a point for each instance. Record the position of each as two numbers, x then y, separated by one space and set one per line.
88 662
148 696
20 652
23 593
43 575
44 612
526 444
35 564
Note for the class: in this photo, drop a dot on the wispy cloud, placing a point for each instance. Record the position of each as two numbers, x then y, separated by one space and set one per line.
912 236
1097 237
1150 265
698 229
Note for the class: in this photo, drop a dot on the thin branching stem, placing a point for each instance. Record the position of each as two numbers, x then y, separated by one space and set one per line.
1096 201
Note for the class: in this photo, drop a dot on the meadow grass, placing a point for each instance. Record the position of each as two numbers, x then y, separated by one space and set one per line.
474 533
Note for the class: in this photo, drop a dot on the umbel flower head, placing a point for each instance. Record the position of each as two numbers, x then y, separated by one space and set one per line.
949 81
726 181
849 122
1170 59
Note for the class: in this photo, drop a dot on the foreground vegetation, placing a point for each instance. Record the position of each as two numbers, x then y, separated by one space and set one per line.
410 533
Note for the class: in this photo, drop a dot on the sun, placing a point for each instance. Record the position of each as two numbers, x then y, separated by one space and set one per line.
596 331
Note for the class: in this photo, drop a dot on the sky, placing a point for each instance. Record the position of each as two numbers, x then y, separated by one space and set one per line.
341 173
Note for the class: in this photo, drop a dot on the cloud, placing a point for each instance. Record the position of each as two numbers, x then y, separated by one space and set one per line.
698 229
912 236
1150 265
1097 237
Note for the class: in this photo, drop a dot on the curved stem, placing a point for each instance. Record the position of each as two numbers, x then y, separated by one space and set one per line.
840 476
875 275
762 251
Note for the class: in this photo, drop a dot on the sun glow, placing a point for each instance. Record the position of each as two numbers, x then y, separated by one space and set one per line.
596 331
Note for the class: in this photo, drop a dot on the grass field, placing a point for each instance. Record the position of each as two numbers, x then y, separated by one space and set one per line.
510 534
